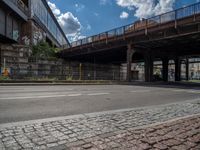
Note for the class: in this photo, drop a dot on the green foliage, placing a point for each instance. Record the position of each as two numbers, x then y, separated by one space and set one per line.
41 78
2 78
44 51
69 78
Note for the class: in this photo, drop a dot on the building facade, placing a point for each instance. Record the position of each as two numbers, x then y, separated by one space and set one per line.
26 22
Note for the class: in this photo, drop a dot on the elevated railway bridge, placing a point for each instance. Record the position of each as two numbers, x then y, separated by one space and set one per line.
169 36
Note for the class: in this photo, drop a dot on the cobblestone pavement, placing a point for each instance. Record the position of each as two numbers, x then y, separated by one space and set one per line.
130 129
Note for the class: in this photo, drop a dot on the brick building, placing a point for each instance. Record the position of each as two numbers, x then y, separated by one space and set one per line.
29 21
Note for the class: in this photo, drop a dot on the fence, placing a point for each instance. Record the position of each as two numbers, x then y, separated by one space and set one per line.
64 71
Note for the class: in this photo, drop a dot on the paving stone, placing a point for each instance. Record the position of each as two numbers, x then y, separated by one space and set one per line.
160 146
52 145
87 146
112 131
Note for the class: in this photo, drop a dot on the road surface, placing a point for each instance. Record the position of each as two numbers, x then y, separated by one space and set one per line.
22 103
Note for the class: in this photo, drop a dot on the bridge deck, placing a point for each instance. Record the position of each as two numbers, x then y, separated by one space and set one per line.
165 30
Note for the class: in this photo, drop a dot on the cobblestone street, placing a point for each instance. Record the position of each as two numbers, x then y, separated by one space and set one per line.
143 128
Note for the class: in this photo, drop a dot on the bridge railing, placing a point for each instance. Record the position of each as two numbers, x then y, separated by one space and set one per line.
141 25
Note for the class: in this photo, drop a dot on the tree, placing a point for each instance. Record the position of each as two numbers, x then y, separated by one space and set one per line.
43 50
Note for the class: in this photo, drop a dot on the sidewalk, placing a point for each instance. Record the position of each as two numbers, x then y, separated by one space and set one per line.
172 126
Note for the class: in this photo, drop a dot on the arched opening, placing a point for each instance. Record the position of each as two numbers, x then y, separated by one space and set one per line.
138 67
171 70
157 70
136 70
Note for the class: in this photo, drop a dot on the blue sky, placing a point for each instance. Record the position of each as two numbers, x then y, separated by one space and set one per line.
82 18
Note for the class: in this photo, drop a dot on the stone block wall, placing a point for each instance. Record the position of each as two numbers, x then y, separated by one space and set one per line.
18 60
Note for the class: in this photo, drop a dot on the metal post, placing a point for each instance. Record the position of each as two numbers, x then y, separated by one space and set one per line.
4 63
187 69
94 69
80 71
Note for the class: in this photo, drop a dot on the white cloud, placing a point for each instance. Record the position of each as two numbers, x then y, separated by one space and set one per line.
55 10
103 2
147 8
88 27
69 23
96 14
124 15
79 7
76 37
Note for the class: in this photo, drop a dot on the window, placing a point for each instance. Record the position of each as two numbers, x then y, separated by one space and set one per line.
2 22
9 27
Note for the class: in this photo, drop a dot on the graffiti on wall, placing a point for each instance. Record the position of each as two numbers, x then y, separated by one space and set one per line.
16 35
37 37
26 40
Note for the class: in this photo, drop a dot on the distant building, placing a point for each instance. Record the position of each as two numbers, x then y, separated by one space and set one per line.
26 22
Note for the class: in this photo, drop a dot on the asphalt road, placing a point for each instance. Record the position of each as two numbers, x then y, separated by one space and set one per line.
20 103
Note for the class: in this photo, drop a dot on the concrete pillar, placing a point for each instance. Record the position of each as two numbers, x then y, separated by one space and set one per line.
187 69
177 69
165 63
148 68
130 52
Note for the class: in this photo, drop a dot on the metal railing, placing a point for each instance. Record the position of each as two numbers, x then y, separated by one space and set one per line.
20 4
141 25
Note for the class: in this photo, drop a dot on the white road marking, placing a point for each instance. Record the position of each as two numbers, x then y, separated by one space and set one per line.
140 91
188 91
96 94
193 91
73 95
32 97
180 90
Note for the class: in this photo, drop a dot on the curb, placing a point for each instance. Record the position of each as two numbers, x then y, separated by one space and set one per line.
51 84
76 82
99 82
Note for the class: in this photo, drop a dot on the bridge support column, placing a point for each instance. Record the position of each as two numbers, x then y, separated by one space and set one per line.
177 69
130 52
148 68
165 63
